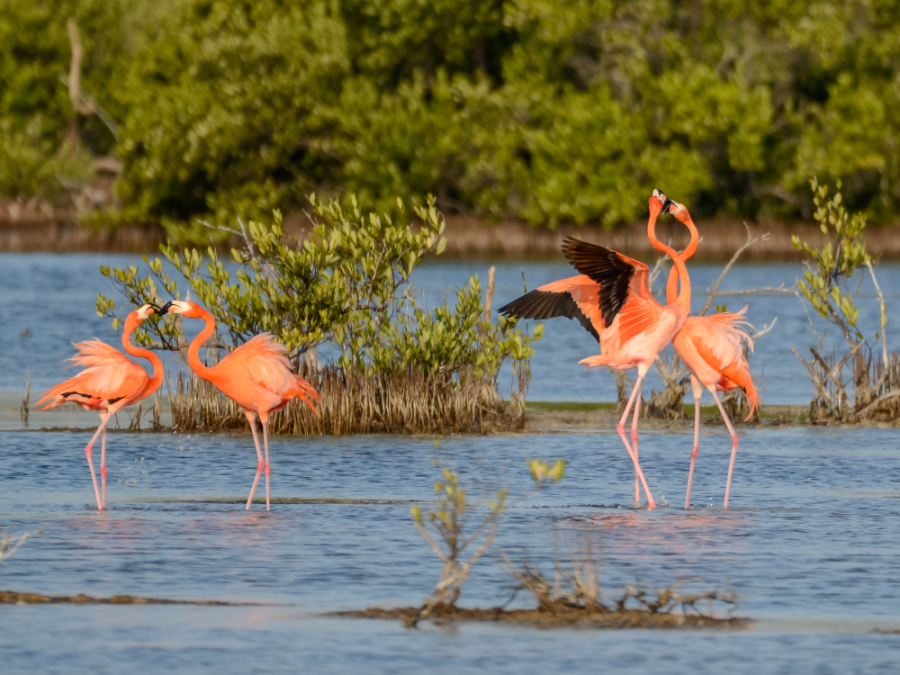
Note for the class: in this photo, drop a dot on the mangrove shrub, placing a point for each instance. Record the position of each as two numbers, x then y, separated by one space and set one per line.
546 111
347 285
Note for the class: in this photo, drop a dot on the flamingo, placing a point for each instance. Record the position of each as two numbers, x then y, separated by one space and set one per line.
257 376
109 383
611 299
712 349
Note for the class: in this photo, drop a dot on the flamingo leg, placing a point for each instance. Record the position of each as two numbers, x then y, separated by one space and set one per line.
734 444
103 461
251 417
265 426
634 445
621 429
87 452
698 394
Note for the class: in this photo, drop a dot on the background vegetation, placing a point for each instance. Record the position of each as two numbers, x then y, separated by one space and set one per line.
547 111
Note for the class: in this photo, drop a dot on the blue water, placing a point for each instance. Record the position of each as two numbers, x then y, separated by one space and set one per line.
810 545
54 297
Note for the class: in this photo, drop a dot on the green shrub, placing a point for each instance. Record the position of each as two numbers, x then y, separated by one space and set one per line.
30 166
346 285
547 111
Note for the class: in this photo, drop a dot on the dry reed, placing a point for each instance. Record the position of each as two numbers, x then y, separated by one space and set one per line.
352 403
870 391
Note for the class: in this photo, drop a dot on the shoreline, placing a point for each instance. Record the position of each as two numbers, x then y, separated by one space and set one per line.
541 417
468 237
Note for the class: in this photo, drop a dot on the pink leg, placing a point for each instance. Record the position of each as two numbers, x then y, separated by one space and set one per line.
621 429
87 452
265 426
251 417
698 394
734 444
634 445
103 462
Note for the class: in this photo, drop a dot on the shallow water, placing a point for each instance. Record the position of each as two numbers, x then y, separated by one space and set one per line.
811 546
54 297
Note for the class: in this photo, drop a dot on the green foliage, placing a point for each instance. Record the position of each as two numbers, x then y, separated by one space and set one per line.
347 284
544 110
229 108
31 166
35 55
825 282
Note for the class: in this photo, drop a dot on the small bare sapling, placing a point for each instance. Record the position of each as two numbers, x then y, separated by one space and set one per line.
458 522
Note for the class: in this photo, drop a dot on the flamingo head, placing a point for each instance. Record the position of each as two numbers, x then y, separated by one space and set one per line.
133 320
670 206
188 309
145 311
658 202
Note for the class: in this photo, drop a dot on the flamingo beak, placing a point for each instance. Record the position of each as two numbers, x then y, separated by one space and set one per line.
667 204
165 308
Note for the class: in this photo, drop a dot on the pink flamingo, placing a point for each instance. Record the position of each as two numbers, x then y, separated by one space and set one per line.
109 383
257 376
612 299
712 349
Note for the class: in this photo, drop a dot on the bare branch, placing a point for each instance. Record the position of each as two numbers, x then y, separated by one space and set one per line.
9 544
884 353
755 291
81 102
713 294
765 330
427 537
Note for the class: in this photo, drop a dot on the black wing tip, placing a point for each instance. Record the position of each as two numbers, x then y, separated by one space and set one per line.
521 306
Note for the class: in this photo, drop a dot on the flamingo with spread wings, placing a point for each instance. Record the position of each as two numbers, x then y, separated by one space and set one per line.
612 300
712 349
108 383
257 376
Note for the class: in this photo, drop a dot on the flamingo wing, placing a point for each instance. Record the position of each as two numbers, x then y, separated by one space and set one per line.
262 361
718 340
574 298
624 289
108 376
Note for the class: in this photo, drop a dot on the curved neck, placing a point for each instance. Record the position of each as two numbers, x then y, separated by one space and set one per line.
672 286
155 363
194 350
684 298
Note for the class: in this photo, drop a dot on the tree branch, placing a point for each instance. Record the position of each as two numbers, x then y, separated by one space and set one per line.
713 294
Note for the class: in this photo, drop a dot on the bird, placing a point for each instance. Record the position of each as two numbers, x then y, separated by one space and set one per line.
611 298
109 382
711 347
257 376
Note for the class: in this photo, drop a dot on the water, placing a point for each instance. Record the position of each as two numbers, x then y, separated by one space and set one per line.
54 297
810 545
